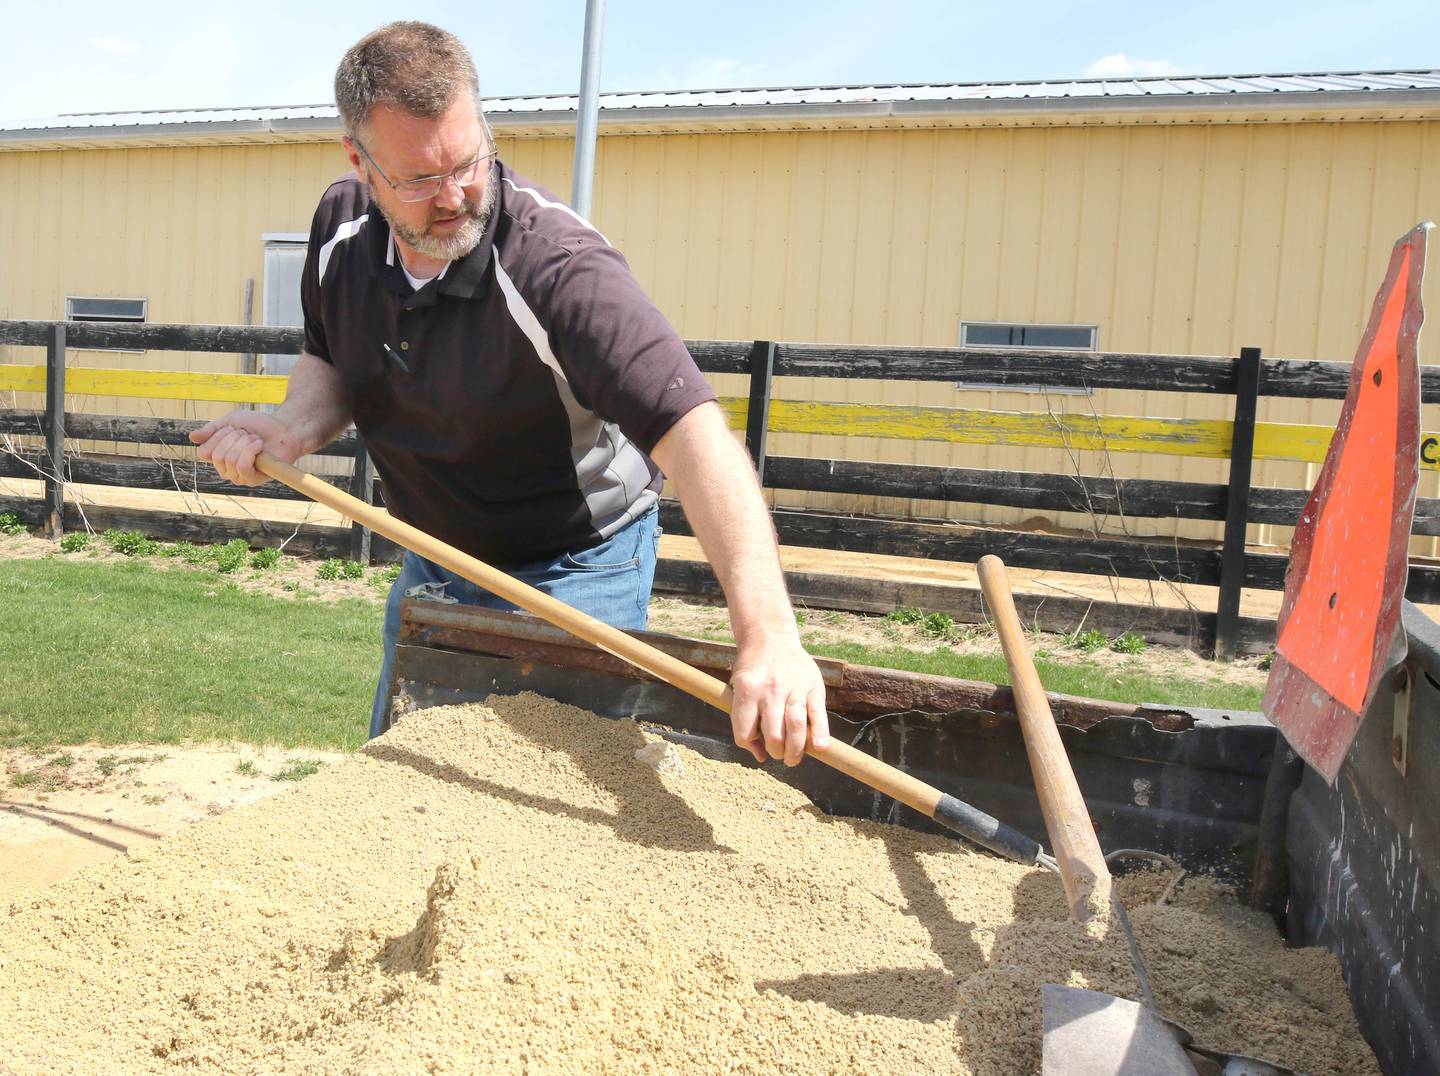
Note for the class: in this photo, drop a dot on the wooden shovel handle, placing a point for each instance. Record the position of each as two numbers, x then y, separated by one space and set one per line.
884 778
1072 836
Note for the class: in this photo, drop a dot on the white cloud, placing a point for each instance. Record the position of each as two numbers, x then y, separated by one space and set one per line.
1118 65
112 46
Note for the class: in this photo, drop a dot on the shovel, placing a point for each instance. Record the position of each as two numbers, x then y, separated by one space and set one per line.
1087 1033
971 823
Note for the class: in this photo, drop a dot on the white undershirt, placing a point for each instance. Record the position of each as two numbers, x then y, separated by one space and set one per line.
416 282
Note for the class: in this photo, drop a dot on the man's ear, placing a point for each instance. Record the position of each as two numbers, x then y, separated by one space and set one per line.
354 156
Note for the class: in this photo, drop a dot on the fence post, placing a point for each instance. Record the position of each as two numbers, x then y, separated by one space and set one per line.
53 426
757 417
1237 503
362 487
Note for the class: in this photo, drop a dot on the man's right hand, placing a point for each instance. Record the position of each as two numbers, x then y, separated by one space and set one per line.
231 443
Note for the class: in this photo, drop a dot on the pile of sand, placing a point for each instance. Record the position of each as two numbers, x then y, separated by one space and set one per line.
510 888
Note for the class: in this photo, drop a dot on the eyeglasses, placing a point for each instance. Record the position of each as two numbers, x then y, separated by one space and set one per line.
423 188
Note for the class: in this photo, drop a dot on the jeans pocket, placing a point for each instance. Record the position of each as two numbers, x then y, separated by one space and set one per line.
574 562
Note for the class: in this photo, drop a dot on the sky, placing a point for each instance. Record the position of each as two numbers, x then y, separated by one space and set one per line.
70 56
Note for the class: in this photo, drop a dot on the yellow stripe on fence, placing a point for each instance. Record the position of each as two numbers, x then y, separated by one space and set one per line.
152 384
1207 438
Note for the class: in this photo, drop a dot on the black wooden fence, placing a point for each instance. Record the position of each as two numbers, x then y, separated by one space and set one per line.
1229 566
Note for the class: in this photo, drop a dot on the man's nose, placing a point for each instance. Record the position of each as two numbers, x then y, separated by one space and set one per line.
452 195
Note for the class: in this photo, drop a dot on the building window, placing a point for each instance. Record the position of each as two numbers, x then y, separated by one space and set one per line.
81 309
127 311
1038 337
1013 335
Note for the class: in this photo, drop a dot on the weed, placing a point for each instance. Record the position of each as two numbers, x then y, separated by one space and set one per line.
384 578
52 783
153 799
298 770
938 626
129 543
262 560
1267 660
134 760
231 556
799 619
189 552
340 569
1086 640
159 756
246 768
106 764
1129 643
25 780
74 541
905 615
64 761
291 586
10 523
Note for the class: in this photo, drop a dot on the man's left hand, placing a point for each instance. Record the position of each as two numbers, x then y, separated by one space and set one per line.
779 700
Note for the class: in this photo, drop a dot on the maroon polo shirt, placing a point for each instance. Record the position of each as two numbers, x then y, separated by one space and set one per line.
510 404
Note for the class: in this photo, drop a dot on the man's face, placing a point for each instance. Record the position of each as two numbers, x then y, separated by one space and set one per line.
405 147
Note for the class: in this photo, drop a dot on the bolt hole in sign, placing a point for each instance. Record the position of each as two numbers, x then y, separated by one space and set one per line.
1339 630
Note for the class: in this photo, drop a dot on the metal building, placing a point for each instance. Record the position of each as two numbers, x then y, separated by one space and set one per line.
1175 215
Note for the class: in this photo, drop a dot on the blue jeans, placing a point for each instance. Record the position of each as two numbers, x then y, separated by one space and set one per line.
610 581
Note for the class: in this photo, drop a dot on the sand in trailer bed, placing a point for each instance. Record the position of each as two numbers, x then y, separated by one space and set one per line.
509 888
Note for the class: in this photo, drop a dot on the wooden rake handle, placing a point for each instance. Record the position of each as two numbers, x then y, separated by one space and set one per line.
929 801
1072 836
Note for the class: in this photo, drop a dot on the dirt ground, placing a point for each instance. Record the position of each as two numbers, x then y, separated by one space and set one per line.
523 887
64 808
1253 603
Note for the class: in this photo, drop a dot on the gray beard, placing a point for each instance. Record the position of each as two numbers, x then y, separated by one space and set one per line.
460 242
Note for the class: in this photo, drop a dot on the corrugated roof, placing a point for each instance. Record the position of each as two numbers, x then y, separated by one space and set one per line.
1380 88
178 116
1189 86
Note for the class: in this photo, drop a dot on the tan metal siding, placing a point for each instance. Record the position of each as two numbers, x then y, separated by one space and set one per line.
1200 238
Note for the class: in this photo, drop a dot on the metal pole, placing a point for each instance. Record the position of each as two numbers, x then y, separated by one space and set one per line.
589 108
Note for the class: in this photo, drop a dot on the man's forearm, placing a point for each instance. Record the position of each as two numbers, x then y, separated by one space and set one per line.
316 408
778 697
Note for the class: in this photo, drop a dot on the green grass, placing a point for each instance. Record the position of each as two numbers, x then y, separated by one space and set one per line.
297 770
1077 678
125 653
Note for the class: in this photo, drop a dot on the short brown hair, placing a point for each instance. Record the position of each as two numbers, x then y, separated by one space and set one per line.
413 66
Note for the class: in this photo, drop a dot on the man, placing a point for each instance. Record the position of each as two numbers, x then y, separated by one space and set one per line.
513 384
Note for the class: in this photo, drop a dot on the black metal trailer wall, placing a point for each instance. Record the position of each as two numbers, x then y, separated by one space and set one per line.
1365 862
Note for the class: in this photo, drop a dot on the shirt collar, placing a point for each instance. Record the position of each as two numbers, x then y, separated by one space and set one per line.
468 273
462 278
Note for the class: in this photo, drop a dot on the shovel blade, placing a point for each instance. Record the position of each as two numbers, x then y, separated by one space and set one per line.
1087 1033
